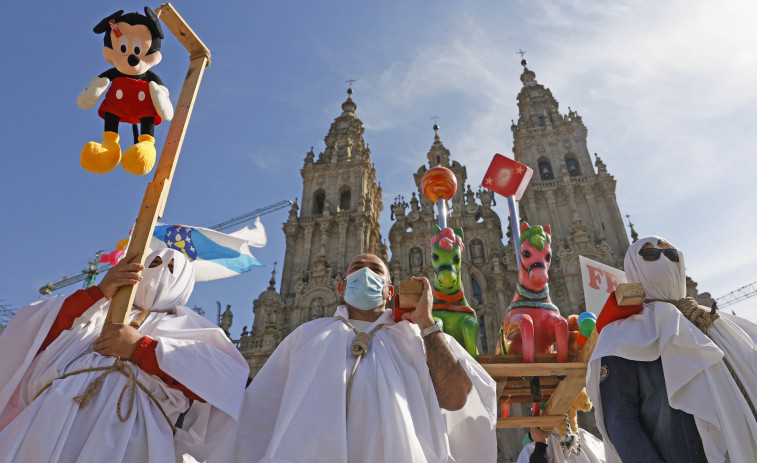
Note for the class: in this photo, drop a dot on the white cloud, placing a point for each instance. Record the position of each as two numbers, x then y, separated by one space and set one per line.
666 90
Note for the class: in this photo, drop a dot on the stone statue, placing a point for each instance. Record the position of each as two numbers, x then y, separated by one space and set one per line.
349 147
416 258
316 308
226 320
470 196
271 318
244 332
477 250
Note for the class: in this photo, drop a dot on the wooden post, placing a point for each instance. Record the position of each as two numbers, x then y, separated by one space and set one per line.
154 200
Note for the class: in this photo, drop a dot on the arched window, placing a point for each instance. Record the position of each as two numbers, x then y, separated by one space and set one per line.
573 168
345 198
476 291
545 170
318 200
482 334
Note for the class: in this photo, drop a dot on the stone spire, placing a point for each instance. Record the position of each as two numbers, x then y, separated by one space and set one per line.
565 192
272 281
438 155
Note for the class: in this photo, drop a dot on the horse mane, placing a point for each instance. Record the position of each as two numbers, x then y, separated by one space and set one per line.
537 236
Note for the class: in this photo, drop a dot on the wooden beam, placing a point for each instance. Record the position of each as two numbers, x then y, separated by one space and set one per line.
543 421
585 355
183 32
500 372
520 382
515 358
545 390
565 394
155 197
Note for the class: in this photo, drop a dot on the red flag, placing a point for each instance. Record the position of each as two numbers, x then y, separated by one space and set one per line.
507 177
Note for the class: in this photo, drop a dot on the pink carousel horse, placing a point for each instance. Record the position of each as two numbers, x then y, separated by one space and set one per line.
532 323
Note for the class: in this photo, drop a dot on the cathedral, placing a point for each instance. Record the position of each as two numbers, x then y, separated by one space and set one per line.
338 217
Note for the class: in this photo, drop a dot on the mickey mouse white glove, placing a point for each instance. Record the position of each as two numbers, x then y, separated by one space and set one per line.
159 95
89 96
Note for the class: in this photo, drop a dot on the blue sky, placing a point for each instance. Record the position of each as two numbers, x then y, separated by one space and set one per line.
666 90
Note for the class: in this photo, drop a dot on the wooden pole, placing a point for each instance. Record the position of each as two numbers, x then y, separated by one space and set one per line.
154 200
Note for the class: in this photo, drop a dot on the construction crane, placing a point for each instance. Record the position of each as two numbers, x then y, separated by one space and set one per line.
737 295
89 275
5 315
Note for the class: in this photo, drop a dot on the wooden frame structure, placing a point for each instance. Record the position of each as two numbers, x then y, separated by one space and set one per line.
155 197
561 382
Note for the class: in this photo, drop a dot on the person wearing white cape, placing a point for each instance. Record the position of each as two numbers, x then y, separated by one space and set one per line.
661 387
415 395
53 407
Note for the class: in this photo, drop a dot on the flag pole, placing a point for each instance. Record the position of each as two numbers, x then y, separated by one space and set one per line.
155 197
514 225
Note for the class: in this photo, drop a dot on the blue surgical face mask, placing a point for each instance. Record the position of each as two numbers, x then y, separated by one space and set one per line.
364 289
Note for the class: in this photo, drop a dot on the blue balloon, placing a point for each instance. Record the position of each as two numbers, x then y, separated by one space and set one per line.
584 316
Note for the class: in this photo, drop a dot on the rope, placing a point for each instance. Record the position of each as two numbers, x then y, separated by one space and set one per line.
702 318
131 385
359 348
125 369
690 308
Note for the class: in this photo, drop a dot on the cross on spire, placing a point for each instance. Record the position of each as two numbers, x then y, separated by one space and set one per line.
434 118
520 52
350 81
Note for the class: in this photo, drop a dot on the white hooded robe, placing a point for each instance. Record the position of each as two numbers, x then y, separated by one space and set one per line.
52 427
295 407
696 378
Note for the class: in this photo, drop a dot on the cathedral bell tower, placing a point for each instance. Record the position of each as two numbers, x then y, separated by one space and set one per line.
337 219
566 192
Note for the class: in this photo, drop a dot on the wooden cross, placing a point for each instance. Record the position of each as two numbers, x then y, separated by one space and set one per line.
155 197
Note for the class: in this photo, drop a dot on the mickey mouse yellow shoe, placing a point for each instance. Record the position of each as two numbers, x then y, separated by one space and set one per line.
101 158
139 158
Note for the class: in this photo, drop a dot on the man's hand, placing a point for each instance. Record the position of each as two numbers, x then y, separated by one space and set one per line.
117 340
421 316
537 435
121 275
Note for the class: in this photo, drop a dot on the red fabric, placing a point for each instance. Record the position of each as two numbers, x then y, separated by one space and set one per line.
72 308
612 311
134 103
144 357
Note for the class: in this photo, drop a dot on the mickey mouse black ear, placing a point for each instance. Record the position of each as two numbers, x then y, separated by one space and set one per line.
103 25
156 29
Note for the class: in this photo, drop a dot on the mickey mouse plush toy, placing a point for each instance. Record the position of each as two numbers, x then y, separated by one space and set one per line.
136 96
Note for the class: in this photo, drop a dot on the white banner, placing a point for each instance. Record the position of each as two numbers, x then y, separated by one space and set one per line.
599 281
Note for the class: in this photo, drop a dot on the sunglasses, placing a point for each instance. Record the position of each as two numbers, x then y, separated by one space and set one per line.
652 254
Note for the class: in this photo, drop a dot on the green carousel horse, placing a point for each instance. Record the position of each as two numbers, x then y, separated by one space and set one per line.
451 309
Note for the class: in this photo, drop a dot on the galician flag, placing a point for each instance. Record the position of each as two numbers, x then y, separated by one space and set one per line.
213 254
507 177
